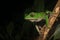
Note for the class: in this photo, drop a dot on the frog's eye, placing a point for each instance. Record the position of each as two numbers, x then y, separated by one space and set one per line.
32 15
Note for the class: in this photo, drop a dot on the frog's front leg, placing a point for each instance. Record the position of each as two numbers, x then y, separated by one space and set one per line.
47 20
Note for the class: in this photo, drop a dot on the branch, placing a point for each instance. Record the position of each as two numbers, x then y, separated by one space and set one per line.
52 19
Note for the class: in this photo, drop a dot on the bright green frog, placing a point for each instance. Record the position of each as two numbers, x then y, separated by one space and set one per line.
37 16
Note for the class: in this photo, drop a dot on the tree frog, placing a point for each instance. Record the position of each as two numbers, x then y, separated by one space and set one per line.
38 16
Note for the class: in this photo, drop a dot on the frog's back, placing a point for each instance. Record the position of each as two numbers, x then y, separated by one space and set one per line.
35 15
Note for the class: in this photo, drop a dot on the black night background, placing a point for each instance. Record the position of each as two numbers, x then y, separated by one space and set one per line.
12 12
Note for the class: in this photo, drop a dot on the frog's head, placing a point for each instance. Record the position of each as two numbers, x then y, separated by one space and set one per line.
33 17
32 14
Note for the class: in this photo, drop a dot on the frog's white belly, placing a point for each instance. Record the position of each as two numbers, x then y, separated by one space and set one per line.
37 20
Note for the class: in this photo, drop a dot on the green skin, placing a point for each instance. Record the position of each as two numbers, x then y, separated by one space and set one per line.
37 16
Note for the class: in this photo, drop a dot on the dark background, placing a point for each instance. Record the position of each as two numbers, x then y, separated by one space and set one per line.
13 11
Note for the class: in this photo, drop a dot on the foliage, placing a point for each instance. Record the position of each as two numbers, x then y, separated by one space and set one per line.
56 33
